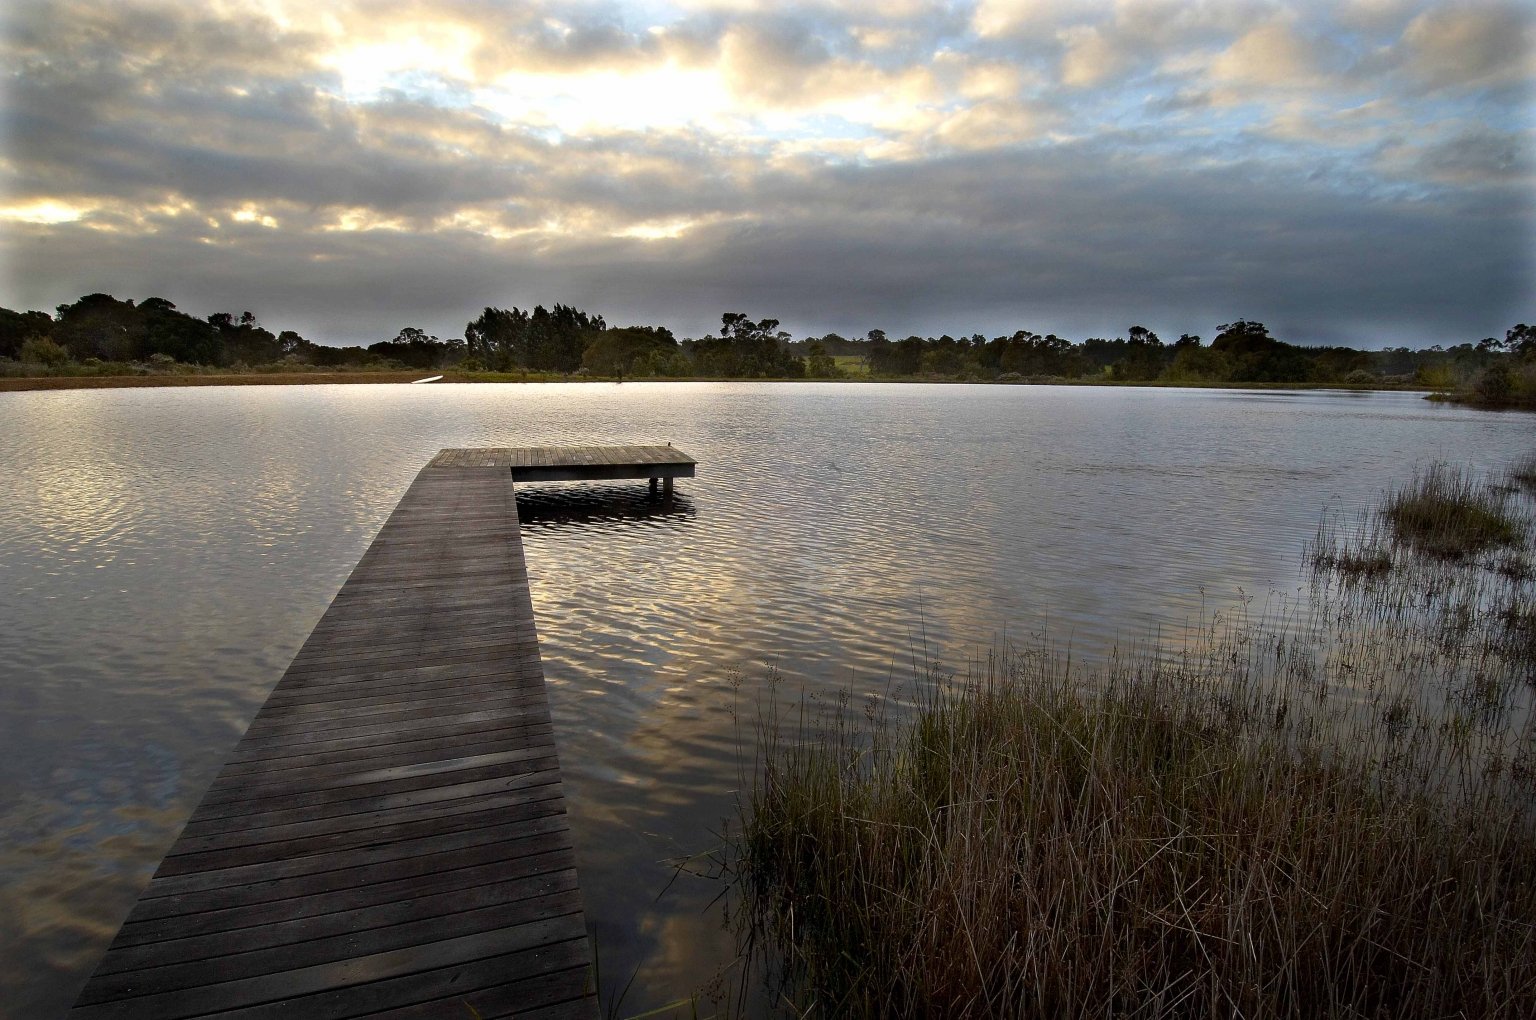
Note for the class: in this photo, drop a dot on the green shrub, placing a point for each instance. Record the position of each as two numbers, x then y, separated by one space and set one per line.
39 350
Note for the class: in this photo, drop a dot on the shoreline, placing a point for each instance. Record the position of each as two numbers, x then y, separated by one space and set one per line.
20 384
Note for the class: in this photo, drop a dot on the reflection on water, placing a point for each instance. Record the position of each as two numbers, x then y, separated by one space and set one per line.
165 552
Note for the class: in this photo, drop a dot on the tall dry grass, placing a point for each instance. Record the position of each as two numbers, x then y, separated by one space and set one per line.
1326 809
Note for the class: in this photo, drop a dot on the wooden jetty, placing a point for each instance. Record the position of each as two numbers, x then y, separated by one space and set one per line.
578 463
389 837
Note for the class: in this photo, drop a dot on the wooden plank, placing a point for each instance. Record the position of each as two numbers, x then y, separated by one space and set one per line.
195 914
229 850
281 825
385 905
380 692
440 727
503 1001
389 836
473 740
413 841
554 973
278 950
332 789
147 999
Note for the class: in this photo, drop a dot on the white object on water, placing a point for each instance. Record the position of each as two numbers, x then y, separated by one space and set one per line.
434 378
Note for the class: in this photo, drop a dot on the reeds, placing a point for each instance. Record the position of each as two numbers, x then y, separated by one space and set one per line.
1327 809
1523 474
1445 512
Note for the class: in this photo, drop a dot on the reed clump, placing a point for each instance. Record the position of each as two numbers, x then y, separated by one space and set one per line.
1445 512
1360 563
1324 810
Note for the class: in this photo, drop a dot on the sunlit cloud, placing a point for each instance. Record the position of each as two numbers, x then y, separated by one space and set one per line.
845 161
43 210
356 220
605 101
248 213
366 71
1274 55
659 230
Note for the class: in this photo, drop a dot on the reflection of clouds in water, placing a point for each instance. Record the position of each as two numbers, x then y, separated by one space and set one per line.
89 836
830 530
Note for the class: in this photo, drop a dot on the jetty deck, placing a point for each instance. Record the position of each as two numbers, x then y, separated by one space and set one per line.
577 463
389 838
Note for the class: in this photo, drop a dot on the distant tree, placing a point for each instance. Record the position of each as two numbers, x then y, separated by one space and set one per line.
818 363
498 339
244 339
1193 363
1102 355
558 336
1142 358
748 349
945 356
541 340
174 334
18 327
99 326
323 356
841 347
1258 357
1339 364
1030 354
880 354
907 358
292 345
630 350
1242 337
413 348
1520 341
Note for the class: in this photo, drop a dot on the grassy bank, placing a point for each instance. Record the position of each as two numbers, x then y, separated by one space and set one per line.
117 377
1325 810
109 382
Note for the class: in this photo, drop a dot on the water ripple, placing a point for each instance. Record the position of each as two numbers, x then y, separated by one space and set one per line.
165 552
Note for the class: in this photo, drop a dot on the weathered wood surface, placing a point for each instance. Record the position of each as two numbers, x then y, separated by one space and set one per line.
574 463
389 838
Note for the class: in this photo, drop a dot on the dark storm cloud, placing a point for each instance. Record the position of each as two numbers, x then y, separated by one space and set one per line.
1357 173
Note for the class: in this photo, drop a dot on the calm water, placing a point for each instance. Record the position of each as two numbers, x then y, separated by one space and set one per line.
165 552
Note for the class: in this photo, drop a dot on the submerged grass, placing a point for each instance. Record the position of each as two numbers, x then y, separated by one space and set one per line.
1523 474
1324 813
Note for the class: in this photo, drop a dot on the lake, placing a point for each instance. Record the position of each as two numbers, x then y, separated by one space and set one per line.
166 551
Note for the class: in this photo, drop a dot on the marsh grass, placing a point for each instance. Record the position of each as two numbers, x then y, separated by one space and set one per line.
1446 512
1326 809
1361 563
1523 474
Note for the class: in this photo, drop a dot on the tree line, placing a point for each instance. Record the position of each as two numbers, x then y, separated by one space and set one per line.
99 329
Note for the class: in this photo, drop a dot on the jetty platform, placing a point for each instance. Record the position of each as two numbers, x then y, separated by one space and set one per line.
389 838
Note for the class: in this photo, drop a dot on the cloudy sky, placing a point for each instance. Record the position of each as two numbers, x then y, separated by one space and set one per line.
1356 171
